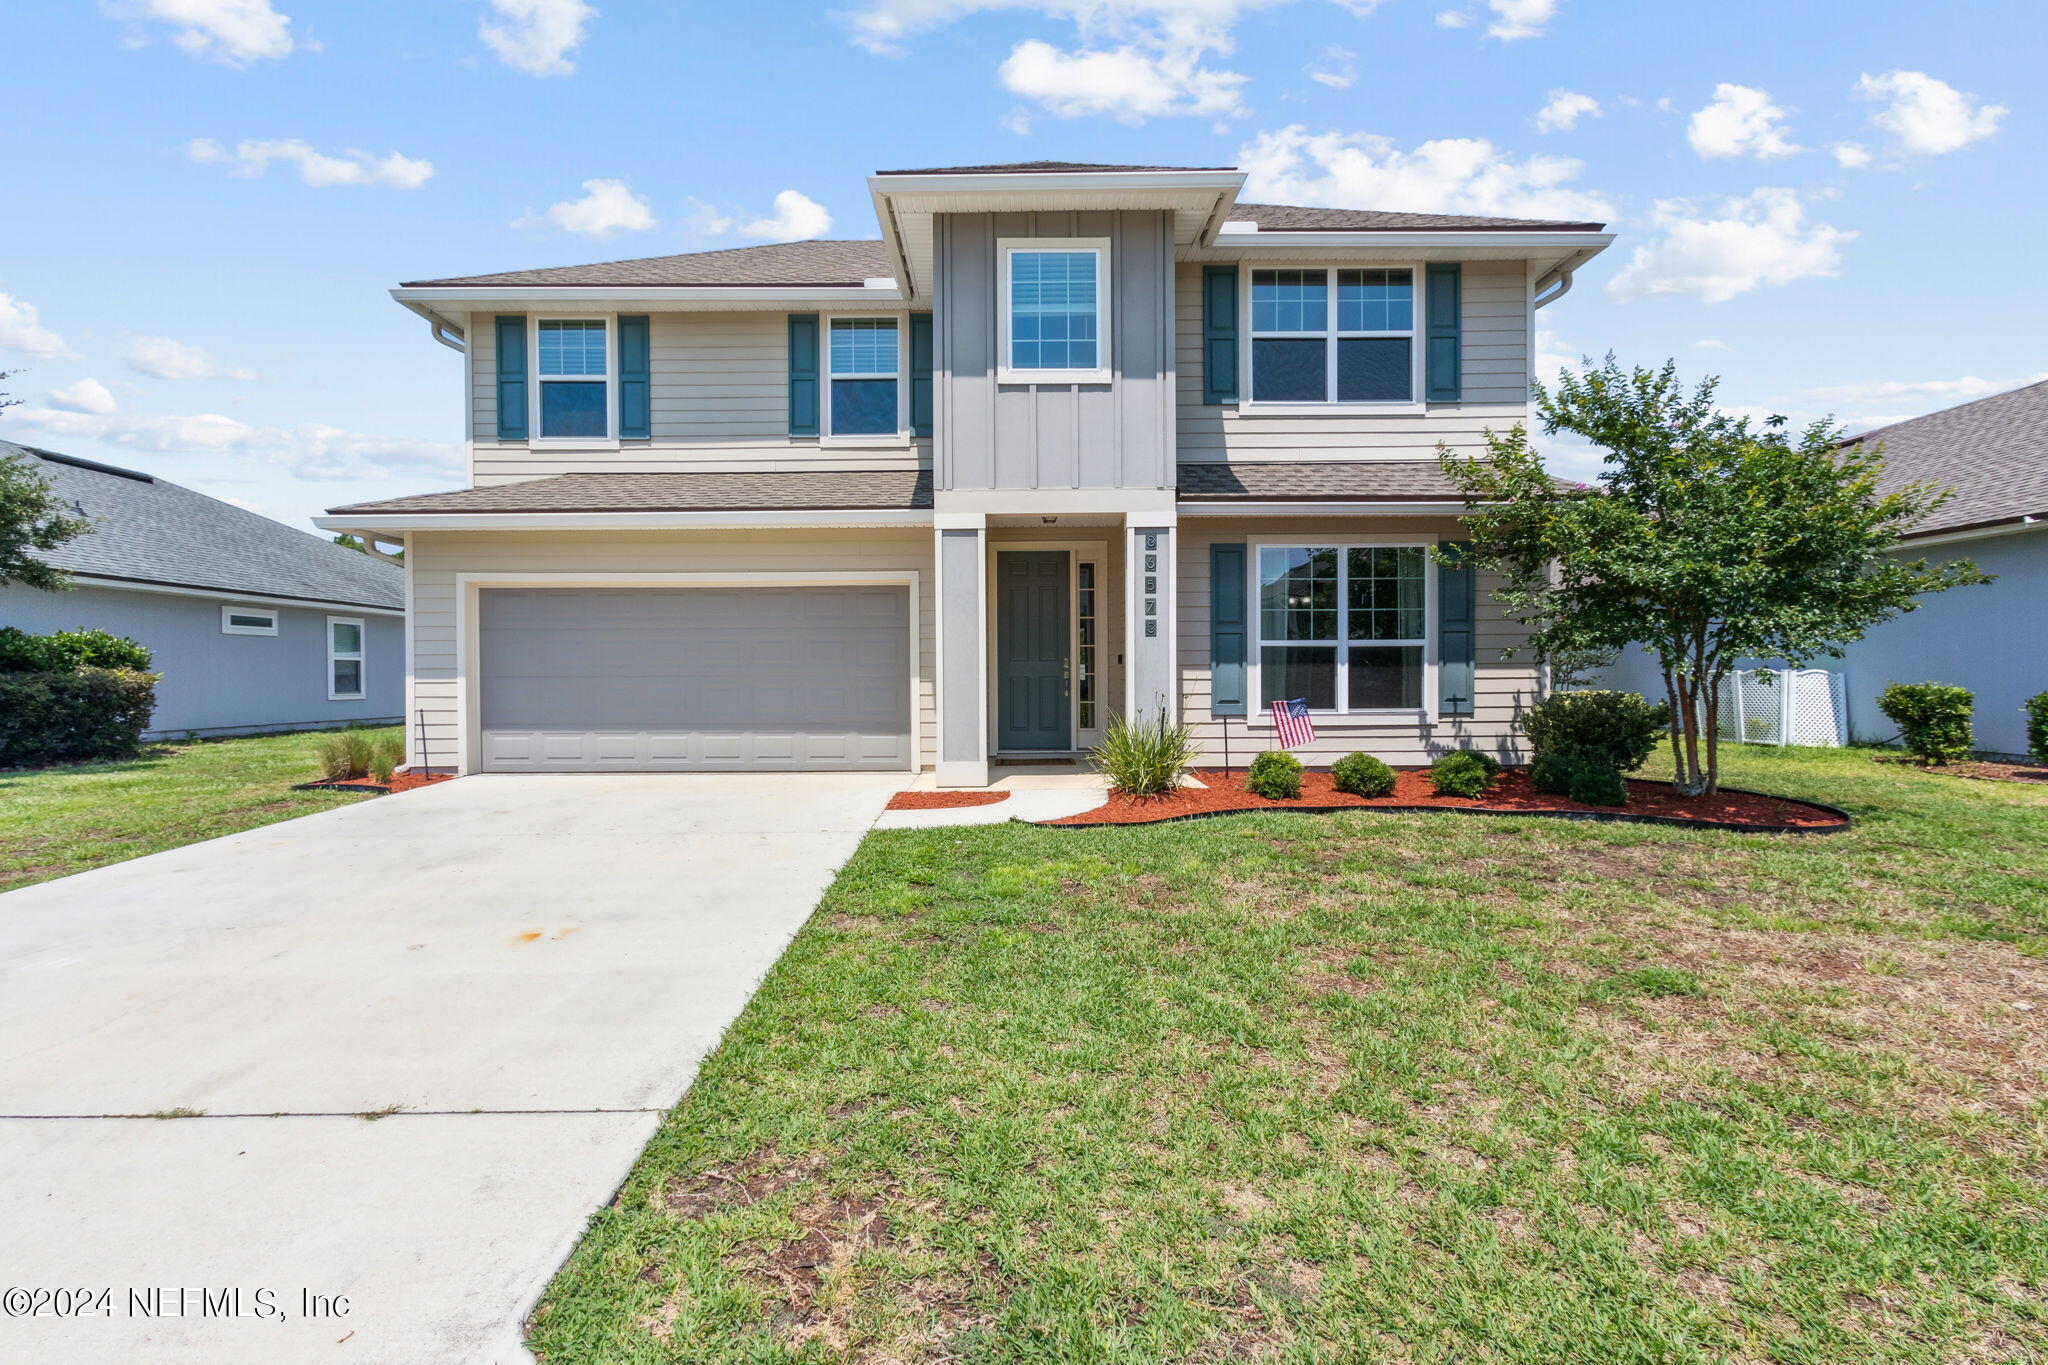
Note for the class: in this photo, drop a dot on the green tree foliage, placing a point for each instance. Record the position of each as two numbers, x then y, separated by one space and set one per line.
32 518
1709 539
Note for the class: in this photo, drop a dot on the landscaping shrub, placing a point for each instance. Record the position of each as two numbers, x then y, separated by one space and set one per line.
1460 774
1486 761
1933 719
1275 775
1143 757
345 756
1361 775
2037 726
50 717
385 756
1594 784
66 650
1618 730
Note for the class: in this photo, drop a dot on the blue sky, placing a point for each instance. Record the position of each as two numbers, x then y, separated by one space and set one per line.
1832 205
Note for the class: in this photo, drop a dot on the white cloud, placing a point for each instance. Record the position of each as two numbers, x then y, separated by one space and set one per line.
1741 121
796 218
1449 175
1850 155
1565 109
539 37
232 32
1451 18
311 450
1764 238
1943 391
1336 68
252 158
20 331
168 359
1711 344
1126 82
1516 19
1928 116
87 395
607 206
1017 121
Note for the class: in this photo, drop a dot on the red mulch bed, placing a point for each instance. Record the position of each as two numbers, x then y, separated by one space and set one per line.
944 800
1511 794
400 782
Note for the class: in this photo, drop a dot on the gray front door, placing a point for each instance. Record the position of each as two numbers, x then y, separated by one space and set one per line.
1033 636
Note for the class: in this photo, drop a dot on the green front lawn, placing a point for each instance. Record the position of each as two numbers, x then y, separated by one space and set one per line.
1368 1088
55 821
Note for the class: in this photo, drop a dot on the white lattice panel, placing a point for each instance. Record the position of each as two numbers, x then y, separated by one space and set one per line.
1784 706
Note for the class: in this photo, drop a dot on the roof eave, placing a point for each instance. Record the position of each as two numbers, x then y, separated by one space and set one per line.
344 520
422 298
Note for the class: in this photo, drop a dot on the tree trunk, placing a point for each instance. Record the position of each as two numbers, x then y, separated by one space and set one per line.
1691 781
1677 729
1713 773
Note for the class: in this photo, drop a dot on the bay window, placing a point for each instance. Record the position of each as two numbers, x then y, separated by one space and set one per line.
865 360
1054 301
1343 335
572 360
1343 626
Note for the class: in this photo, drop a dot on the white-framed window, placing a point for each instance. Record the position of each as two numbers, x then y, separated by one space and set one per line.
865 394
344 658
1053 300
1334 335
574 398
237 620
1346 626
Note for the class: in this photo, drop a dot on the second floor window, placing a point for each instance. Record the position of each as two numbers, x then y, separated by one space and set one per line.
1055 311
1322 336
574 366
865 357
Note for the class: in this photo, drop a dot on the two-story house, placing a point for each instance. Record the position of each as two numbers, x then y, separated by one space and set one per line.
1065 441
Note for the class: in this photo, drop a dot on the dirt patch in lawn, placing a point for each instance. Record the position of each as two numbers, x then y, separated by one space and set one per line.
1984 770
944 800
400 782
1510 794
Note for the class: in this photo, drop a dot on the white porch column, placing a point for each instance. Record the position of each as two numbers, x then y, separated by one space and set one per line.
961 555
1151 672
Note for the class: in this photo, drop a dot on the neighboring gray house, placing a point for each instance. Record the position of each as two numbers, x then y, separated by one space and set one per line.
1992 639
254 626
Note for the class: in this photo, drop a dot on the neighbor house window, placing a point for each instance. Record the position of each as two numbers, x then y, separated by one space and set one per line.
1344 335
573 361
865 355
1343 626
344 658
1055 311
247 621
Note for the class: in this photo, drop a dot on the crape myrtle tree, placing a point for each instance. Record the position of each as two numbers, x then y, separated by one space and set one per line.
1707 539
32 517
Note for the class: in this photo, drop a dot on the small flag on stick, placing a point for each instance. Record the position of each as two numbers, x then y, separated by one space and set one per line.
1290 719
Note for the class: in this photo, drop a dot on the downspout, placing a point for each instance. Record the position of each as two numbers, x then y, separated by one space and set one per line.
447 333
1562 278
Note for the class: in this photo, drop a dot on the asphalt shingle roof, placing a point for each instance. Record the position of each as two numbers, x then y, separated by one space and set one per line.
148 530
821 263
1307 481
1992 452
1293 218
767 490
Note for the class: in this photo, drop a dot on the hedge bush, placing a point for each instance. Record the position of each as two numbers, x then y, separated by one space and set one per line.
1933 719
2037 726
50 717
1275 775
1618 730
1584 781
1361 775
1461 774
66 650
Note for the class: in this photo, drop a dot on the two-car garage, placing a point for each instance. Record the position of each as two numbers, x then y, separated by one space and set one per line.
694 679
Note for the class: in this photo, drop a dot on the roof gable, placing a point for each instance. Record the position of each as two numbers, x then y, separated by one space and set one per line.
1993 452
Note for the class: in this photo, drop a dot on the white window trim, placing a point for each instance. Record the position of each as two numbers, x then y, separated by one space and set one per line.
1257 715
1008 374
610 379
230 610
901 436
1417 403
359 654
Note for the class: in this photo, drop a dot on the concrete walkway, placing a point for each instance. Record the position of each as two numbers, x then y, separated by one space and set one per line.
522 971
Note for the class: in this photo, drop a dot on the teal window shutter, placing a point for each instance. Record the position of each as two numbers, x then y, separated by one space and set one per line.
1457 604
803 374
1219 334
511 343
1228 630
921 374
1446 354
635 409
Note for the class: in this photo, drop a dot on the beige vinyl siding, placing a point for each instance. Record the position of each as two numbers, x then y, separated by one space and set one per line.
1504 685
434 558
1496 320
719 393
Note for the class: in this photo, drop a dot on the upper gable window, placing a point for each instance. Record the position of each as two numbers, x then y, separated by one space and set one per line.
1333 336
573 362
1055 311
865 355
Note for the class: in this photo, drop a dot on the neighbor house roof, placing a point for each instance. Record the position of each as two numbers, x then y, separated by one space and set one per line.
766 490
150 531
1993 452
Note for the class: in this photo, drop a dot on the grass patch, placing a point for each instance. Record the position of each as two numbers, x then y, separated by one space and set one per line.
56 821
1373 1088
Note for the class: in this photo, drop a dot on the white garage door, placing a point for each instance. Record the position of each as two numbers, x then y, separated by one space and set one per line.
694 679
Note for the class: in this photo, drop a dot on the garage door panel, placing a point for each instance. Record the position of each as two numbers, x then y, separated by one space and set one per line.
695 678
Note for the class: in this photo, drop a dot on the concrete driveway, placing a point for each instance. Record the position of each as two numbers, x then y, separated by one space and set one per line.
523 971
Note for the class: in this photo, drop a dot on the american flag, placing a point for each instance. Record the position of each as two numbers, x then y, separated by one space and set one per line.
1290 718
